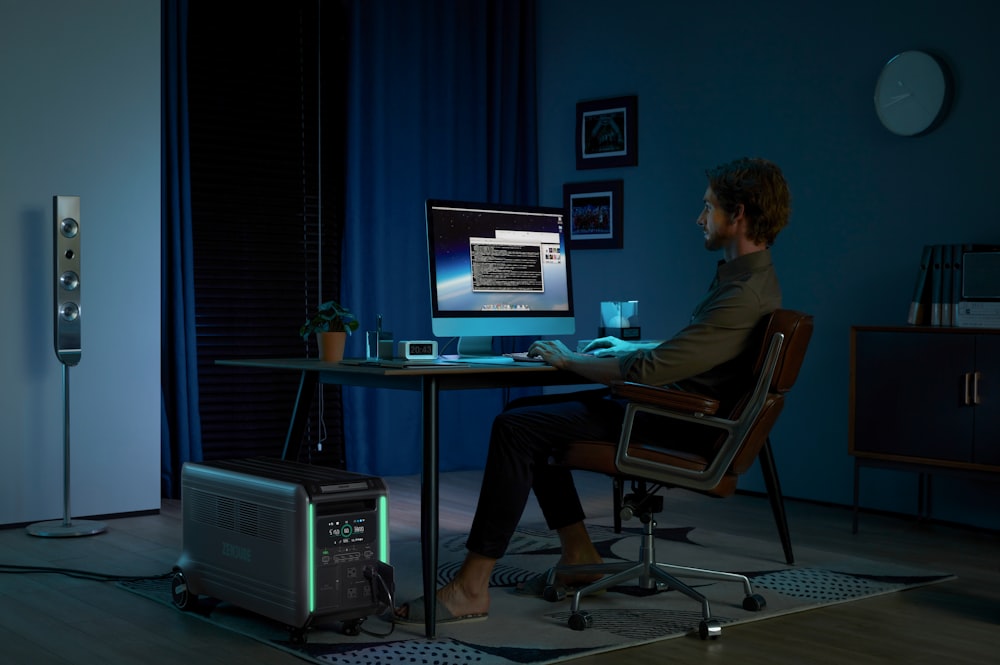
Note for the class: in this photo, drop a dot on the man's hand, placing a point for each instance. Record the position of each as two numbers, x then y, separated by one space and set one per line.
609 346
553 352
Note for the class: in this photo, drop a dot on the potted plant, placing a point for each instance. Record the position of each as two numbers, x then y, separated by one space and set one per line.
331 323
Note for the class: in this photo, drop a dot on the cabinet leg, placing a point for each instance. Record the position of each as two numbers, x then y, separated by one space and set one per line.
921 486
926 488
857 476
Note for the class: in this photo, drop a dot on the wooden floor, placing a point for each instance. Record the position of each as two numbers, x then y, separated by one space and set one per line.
57 619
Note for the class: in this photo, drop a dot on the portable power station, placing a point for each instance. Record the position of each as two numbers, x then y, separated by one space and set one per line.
292 542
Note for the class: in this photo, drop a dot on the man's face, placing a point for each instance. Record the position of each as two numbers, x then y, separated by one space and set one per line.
717 224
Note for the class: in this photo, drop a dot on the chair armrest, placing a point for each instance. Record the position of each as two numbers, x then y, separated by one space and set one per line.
666 398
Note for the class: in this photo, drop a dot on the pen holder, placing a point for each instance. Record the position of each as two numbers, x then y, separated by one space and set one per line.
378 345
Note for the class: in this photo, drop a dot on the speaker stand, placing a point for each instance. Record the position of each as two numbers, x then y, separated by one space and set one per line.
66 528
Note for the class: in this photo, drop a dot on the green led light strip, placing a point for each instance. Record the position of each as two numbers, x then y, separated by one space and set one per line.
311 556
383 529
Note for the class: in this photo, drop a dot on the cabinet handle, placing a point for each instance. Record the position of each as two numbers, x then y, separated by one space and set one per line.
975 388
965 398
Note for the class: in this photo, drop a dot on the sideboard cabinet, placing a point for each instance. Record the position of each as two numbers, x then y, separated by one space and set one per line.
924 399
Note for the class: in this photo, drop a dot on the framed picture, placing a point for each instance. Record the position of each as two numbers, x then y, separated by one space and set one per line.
607 133
594 214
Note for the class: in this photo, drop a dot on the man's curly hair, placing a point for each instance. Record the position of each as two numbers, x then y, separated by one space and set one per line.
760 187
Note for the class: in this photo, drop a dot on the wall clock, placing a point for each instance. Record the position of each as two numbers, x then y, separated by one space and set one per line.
912 93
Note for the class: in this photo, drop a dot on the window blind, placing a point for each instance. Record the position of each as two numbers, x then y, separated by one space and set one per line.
265 114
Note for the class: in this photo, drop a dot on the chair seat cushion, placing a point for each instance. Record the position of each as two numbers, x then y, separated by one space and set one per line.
599 456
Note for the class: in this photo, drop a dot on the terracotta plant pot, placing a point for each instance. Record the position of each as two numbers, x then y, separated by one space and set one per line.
331 346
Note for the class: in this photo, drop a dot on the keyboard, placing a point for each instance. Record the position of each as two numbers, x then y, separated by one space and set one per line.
523 357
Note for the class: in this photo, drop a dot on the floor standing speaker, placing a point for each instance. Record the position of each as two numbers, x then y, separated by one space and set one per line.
66 264
67 309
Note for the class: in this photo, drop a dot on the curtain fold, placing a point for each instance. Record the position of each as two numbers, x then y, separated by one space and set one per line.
441 104
180 436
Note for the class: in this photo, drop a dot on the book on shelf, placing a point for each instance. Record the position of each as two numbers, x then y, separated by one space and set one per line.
937 256
956 284
920 303
938 287
947 258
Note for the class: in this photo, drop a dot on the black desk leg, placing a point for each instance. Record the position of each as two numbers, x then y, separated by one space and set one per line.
300 412
429 501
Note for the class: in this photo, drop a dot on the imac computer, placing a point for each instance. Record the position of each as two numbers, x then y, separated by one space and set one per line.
497 270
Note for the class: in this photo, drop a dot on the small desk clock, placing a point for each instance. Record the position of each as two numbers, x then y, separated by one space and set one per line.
418 350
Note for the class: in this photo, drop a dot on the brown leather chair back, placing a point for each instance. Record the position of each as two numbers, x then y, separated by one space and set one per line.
797 330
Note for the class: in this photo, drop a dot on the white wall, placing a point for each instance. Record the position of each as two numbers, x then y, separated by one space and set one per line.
80 115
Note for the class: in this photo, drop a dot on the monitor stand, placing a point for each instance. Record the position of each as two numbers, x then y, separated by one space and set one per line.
475 346
480 350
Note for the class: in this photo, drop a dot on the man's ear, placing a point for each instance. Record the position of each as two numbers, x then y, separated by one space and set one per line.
737 214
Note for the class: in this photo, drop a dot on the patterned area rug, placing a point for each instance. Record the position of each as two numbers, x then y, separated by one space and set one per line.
533 630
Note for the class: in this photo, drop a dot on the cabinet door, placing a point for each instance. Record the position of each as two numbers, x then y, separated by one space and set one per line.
909 394
987 442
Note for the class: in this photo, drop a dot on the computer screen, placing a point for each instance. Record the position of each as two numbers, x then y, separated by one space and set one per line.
498 270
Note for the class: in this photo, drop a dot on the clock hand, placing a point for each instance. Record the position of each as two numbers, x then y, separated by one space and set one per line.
895 99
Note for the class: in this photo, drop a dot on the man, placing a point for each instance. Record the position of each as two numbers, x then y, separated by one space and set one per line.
746 204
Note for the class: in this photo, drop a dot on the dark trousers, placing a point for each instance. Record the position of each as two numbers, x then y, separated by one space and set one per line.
523 438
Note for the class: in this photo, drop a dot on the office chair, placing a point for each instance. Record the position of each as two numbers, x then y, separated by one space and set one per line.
711 465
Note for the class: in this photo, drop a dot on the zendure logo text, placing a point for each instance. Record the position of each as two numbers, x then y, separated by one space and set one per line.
236 552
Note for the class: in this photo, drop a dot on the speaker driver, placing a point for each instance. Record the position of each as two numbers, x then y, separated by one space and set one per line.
69 280
69 311
69 227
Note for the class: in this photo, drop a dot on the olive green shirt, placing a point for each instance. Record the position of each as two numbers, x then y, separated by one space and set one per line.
705 356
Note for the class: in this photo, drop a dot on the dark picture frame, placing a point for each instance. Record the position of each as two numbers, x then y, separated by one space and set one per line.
594 214
607 133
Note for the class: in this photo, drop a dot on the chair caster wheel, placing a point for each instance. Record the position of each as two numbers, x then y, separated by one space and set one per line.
754 603
554 593
709 629
580 620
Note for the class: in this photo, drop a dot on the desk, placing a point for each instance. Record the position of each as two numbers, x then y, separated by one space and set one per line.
429 381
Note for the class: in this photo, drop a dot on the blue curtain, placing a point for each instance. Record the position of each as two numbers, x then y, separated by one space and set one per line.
441 104
180 424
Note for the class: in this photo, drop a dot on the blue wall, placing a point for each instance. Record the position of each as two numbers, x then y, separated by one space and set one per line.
794 82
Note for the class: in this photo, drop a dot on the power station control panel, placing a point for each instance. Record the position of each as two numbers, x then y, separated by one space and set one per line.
345 546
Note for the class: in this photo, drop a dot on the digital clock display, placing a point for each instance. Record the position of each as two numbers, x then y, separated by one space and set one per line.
418 350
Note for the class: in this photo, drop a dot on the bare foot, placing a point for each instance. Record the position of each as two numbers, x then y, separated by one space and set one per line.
457 600
460 600
582 560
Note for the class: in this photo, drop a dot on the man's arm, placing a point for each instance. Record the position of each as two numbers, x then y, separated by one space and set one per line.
612 346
